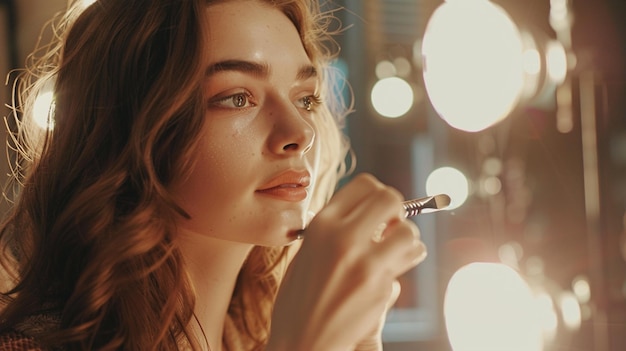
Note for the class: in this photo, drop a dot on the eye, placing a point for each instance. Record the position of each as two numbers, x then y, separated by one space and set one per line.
237 101
310 102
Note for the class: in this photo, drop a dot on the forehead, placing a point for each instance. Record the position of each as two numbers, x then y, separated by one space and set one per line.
249 29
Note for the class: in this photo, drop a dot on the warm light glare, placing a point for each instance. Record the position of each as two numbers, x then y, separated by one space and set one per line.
488 306
491 185
564 112
87 3
492 166
473 64
392 97
582 289
559 14
385 69
547 315
535 266
556 61
403 66
43 109
510 254
570 310
451 181
531 61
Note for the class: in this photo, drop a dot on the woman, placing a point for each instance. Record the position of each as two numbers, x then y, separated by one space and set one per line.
193 142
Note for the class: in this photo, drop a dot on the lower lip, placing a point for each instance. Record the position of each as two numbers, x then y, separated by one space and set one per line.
286 194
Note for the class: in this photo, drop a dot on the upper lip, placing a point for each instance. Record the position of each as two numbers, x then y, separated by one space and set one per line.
289 177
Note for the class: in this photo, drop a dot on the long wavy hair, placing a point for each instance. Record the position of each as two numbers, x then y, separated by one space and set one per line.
90 234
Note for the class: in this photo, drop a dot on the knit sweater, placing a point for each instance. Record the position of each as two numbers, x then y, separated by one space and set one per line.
16 341
22 337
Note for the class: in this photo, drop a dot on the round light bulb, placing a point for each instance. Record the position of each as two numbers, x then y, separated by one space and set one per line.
488 306
473 63
450 181
392 97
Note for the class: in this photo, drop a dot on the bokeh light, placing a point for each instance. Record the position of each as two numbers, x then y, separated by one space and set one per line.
556 60
491 185
392 97
473 65
450 181
570 310
510 254
548 317
582 289
403 66
531 61
43 109
385 69
488 306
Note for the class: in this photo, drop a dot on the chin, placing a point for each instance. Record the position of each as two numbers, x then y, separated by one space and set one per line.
275 236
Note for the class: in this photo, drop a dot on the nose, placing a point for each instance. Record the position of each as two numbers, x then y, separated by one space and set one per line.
291 133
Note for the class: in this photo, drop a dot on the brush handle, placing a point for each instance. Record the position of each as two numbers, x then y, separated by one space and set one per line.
426 204
413 207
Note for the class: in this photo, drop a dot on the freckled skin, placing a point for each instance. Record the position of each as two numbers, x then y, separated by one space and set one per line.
240 149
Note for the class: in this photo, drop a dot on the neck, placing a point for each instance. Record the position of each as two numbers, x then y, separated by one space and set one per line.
213 266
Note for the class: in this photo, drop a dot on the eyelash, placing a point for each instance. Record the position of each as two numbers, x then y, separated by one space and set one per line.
244 94
309 102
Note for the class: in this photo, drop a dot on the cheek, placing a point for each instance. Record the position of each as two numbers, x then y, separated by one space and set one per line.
221 163
221 167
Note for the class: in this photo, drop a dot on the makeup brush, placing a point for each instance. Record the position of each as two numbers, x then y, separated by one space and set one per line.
426 204
413 207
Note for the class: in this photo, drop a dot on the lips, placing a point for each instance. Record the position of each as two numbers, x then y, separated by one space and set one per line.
290 186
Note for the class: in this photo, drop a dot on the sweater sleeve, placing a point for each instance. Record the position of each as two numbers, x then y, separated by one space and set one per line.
15 341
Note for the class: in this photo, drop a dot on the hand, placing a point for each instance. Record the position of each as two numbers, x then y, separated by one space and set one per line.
374 340
339 284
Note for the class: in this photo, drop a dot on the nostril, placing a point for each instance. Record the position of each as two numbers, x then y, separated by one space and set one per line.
292 146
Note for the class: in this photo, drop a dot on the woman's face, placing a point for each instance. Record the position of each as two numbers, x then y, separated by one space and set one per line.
252 179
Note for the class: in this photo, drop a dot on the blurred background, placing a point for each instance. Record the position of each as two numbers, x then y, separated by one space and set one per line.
516 109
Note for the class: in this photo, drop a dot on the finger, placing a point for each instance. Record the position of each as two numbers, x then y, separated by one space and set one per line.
352 194
363 206
401 249
376 211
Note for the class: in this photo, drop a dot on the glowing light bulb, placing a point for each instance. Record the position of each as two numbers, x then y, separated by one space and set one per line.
582 289
392 97
385 69
570 310
548 317
556 59
473 63
531 61
451 181
488 306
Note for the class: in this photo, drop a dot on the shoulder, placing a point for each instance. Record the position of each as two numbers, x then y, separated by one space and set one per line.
16 341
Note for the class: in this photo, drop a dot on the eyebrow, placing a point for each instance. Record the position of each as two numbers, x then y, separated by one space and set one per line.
261 70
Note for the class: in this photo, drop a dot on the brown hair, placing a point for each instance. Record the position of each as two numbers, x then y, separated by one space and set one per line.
91 232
